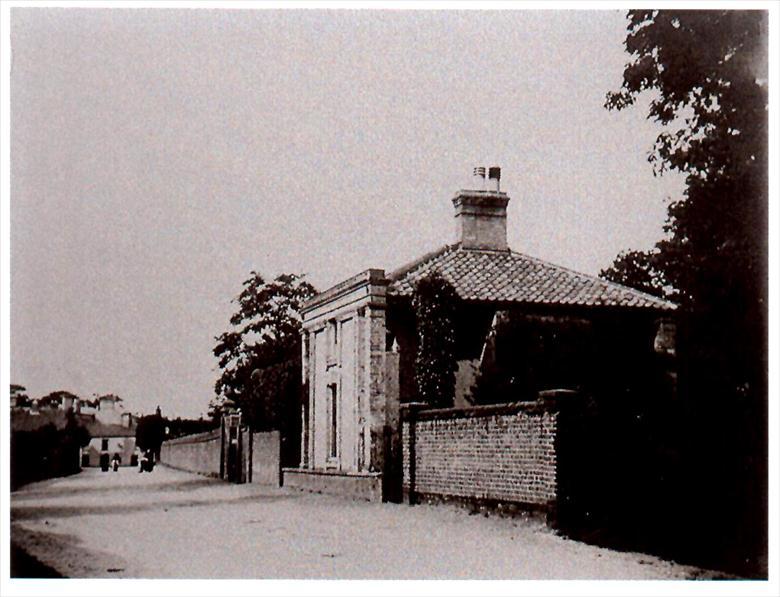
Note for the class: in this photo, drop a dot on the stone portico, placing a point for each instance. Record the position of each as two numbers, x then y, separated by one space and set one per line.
351 382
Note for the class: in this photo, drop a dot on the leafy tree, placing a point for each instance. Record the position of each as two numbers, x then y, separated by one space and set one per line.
150 432
642 270
179 427
73 437
218 405
261 352
47 451
274 395
434 302
707 72
20 393
56 399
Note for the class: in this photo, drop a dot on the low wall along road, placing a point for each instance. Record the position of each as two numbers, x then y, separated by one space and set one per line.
205 454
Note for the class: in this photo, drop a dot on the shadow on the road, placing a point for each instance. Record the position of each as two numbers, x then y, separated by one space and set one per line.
23 565
19 513
65 556
22 495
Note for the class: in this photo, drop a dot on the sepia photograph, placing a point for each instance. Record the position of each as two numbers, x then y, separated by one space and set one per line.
389 292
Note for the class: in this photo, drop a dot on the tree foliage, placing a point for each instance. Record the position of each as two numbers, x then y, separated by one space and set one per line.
706 73
56 399
707 70
75 434
150 432
20 394
642 270
47 451
179 427
434 302
259 354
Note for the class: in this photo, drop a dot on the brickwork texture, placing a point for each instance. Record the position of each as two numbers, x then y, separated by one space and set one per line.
504 454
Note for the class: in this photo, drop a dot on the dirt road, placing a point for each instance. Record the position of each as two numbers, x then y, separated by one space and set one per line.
171 524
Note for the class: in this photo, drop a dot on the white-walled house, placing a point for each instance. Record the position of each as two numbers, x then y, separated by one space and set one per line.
113 432
108 440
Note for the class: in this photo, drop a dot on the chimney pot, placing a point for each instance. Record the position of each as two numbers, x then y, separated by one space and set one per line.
479 177
494 175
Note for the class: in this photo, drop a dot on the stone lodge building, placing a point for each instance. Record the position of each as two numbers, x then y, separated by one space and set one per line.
359 344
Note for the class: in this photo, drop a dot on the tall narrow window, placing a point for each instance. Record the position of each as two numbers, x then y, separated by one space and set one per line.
333 342
333 421
104 444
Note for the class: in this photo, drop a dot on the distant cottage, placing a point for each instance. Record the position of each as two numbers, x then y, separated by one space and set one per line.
111 428
113 432
524 327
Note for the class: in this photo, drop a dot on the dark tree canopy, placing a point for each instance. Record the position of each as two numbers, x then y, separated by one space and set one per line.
642 270
434 302
179 427
709 72
263 343
20 393
75 434
150 432
706 73
56 399
47 451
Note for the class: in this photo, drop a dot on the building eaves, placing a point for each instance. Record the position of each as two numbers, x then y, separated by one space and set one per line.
512 277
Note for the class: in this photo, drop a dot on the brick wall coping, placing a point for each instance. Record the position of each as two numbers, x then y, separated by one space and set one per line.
548 400
194 439
329 473
487 410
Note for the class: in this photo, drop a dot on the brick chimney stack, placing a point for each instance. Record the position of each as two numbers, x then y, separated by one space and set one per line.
480 215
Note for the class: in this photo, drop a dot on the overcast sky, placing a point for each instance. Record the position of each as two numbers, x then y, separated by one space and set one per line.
158 156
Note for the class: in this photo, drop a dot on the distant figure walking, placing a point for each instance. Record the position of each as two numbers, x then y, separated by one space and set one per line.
147 462
115 462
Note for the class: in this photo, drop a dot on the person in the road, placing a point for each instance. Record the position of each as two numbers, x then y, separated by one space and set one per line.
146 462
115 462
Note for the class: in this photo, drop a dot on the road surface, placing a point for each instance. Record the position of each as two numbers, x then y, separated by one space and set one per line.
172 524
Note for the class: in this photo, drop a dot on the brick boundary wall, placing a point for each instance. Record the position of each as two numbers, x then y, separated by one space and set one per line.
199 453
496 455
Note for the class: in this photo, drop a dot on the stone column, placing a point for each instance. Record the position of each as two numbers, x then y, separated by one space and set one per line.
376 417
305 399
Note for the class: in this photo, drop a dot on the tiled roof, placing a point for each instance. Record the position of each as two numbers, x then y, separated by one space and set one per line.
22 420
510 277
25 421
98 429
